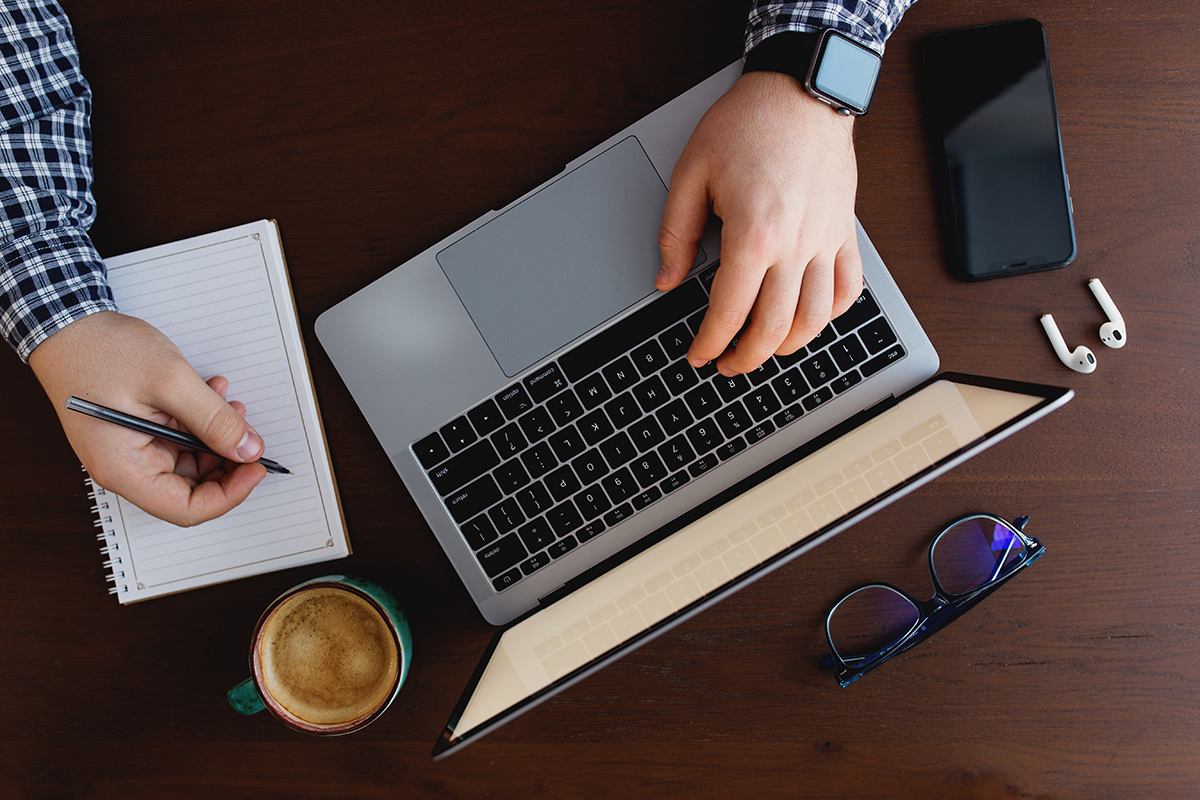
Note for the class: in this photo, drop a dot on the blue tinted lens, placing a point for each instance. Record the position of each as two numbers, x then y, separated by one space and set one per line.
974 553
869 620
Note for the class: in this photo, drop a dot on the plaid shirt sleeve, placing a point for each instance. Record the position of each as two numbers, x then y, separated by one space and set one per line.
50 273
870 22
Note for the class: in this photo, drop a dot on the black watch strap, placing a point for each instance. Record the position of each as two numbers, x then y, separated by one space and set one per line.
789 52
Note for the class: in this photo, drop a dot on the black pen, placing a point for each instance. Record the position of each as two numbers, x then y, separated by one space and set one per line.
153 429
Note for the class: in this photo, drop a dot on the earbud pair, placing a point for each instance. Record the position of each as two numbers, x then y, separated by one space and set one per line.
1112 333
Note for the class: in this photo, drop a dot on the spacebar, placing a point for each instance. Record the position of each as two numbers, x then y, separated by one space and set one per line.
633 330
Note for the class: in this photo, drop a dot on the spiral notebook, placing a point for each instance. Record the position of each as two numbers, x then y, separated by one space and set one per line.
224 299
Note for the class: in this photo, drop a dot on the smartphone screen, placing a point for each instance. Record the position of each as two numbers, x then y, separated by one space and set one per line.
997 152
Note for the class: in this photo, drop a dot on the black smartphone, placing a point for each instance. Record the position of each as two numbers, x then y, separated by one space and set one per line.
997 152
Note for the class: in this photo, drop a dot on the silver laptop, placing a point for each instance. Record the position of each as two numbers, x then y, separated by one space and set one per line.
529 385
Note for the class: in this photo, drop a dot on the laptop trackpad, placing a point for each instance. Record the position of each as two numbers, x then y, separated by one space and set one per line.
564 260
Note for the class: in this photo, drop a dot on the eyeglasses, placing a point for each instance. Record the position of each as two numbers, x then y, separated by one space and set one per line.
970 559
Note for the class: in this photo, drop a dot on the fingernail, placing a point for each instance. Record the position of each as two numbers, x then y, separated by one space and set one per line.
662 275
726 371
697 362
249 447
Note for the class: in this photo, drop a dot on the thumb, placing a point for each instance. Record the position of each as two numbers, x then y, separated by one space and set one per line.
684 218
201 408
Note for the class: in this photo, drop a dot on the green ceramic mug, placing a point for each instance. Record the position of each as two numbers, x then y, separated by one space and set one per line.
327 657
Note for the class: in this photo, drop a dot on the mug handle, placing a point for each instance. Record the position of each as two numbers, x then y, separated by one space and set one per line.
245 698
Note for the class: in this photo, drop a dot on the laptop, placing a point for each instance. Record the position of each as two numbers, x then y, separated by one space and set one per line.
529 385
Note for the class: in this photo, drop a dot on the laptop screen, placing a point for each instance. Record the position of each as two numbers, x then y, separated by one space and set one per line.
760 525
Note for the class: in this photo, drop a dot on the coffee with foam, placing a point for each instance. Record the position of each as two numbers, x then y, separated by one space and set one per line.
326 658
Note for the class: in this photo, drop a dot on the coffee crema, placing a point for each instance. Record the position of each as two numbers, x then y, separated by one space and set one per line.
327 657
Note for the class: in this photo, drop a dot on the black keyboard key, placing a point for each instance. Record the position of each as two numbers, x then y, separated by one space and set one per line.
509 440
562 483
592 502
566 443
595 427
703 465
486 417
674 417
479 532
536 535
618 450
535 563
472 499
734 420
506 515
623 410
863 309
506 580
818 369
536 425
651 393
648 470
877 335
464 467
790 386
562 547
539 460
590 531
677 453
649 357
702 400
564 518
502 555
761 403
545 383
534 500
676 341
514 401
707 277
705 436
621 375
880 361
791 359
651 495
431 450
618 514
848 352
767 370
511 476
639 326
646 433
760 431
457 434
673 482
564 408
817 398
844 382
620 486
679 377
590 467
732 388
788 415
825 338
693 322
731 448
593 391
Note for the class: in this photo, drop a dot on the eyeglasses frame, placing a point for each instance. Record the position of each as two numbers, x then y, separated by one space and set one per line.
935 613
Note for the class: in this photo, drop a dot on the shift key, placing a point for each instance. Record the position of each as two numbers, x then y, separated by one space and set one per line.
464 467
473 498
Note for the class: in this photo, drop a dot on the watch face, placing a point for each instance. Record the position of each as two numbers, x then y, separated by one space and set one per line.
846 72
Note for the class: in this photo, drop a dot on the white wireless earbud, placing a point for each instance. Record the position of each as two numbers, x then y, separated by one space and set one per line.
1080 359
1112 333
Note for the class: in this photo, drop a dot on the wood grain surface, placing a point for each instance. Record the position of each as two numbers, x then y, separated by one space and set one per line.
371 130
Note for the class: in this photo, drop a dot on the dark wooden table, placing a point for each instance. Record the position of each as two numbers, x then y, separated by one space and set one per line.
371 130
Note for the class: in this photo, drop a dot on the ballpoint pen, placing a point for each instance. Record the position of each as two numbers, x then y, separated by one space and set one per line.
153 429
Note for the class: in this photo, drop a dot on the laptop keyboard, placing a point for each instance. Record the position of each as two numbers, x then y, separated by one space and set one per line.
622 420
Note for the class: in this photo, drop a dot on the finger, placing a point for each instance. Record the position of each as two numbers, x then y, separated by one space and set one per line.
684 218
730 299
201 409
847 277
771 322
186 503
815 309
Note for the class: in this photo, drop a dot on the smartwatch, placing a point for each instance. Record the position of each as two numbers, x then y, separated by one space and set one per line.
830 66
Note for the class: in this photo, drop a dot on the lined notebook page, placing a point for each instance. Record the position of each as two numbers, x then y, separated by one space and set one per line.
225 301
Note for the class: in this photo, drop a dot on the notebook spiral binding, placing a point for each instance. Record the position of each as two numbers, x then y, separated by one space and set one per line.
107 535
